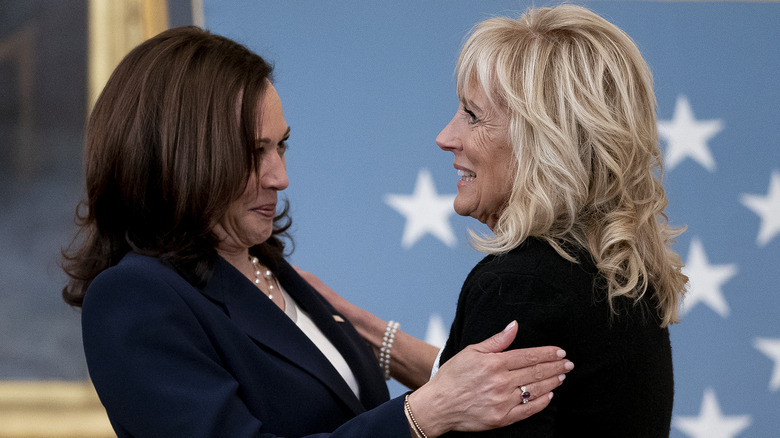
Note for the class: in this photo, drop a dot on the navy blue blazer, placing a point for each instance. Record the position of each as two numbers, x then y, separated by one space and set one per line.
168 359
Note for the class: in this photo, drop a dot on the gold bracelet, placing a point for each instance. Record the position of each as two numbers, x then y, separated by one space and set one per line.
415 434
410 416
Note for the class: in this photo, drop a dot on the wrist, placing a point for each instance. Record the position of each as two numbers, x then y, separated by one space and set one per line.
385 351
371 328
428 412
414 426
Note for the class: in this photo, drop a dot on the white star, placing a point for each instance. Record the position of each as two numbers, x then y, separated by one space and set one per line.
711 423
687 137
705 281
425 211
436 335
768 208
771 347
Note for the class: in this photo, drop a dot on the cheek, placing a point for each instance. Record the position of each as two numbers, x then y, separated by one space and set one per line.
501 176
495 189
250 191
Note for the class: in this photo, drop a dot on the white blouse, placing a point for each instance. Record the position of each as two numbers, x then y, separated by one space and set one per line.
307 326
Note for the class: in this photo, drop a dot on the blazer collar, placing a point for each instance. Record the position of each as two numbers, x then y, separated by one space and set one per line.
355 350
267 325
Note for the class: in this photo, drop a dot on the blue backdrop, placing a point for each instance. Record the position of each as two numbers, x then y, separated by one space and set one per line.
367 85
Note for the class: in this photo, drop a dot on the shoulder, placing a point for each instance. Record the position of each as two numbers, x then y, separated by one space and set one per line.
135 272
134 267
142 306
532 265
532 257
137 285
532 284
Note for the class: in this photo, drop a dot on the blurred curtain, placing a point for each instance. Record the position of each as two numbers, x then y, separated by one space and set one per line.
116 27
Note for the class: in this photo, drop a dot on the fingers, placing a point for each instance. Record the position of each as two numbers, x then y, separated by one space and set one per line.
541 389
308 276
525 410
539 396
536 395
525 357
316 283
303 273
498 342
520 358
546 371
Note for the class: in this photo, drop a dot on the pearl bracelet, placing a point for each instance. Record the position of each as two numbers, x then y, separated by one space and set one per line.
387 344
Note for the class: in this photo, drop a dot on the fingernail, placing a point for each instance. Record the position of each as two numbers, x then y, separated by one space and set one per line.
550 396
510 326
561 353
561 377
568 365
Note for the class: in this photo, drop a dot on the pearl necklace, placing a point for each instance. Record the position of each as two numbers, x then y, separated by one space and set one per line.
269 277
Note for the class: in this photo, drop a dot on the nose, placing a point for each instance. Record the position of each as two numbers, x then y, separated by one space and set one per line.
273 172
448 139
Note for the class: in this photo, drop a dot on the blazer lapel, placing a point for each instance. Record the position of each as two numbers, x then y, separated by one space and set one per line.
264 322
355 350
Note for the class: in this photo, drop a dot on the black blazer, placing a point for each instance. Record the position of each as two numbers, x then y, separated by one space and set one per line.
168 359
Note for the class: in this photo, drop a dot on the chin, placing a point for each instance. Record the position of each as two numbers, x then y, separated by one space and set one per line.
460 212
260 238
463 210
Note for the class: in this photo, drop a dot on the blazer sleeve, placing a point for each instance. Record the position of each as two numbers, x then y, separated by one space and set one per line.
157 373
488 303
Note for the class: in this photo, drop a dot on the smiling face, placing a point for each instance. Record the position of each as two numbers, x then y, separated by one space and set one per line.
249 220
478 135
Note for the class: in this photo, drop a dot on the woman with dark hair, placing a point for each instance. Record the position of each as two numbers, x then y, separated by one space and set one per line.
193 322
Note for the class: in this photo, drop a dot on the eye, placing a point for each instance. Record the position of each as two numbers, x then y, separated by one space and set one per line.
472 117
283 146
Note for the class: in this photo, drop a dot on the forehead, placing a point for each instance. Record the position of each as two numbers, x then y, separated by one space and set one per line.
270 119
475 97
268 102
474 93
269 99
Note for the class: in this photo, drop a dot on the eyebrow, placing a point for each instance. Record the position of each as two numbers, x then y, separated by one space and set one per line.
268 140
470 105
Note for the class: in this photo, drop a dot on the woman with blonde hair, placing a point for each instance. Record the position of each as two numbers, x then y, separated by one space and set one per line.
556 147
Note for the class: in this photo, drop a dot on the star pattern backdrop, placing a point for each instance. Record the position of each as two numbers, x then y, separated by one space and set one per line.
367 85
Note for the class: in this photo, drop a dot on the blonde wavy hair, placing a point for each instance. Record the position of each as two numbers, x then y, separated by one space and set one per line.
583 128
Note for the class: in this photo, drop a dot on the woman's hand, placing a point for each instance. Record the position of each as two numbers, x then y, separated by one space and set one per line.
367 324
479 388
343 306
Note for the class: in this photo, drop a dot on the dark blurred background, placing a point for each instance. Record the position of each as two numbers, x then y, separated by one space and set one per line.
43 105
49 51
43 108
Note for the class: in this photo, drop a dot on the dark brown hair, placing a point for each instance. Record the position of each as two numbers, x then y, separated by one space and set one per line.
169 145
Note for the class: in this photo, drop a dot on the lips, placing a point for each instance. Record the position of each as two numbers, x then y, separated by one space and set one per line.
466 175
267 210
